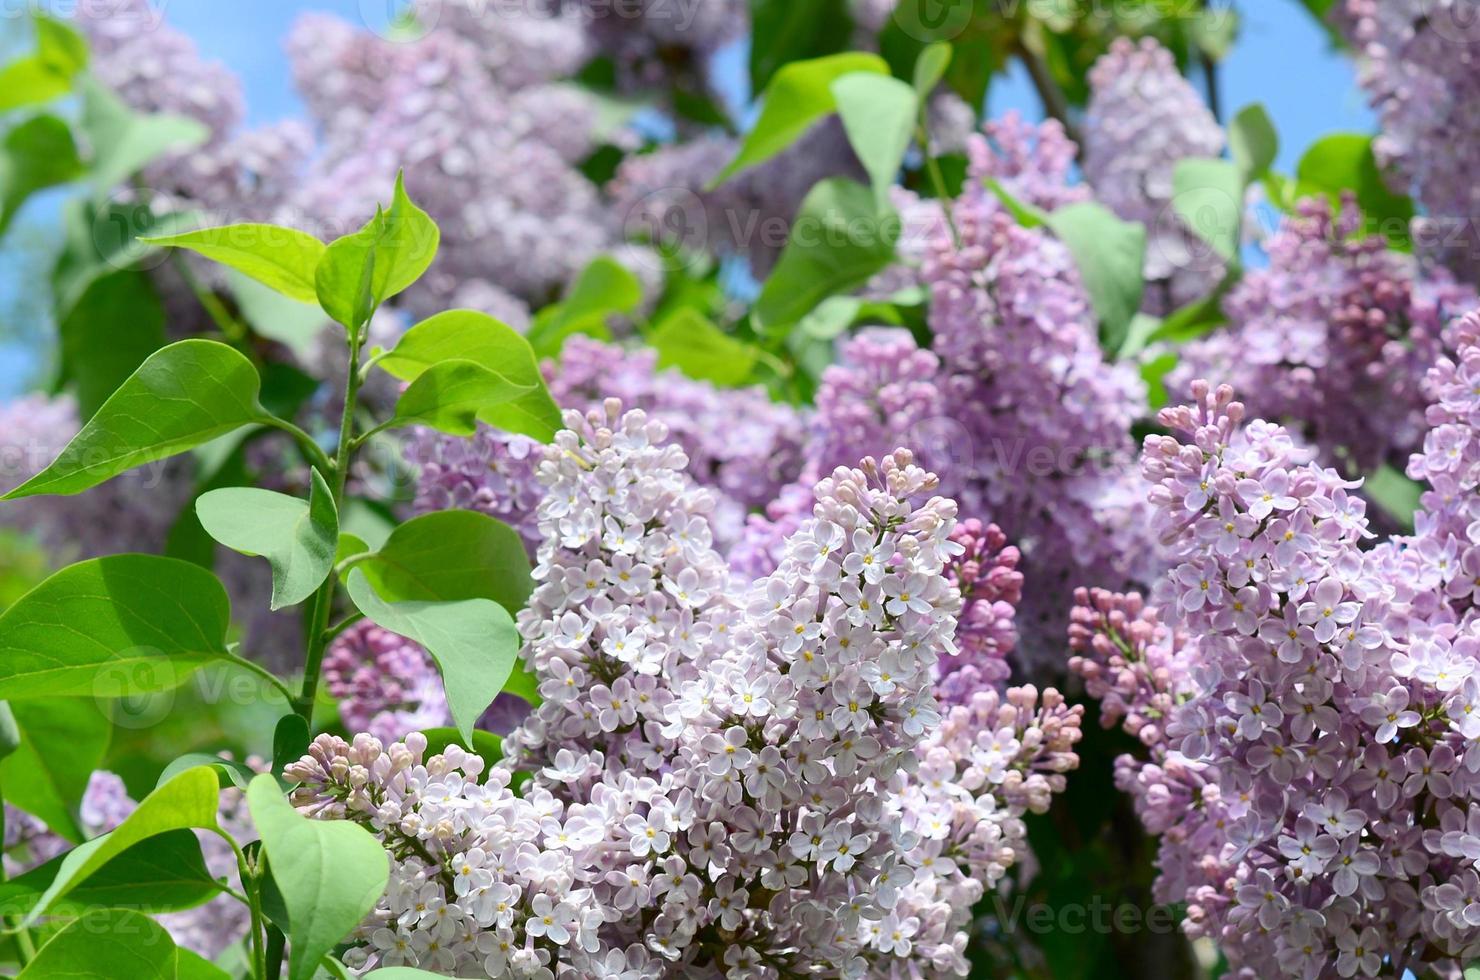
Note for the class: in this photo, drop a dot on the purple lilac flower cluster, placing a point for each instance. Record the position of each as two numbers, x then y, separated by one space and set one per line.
1333 338
1318 750
1421 68
206 929
1143 119
725 784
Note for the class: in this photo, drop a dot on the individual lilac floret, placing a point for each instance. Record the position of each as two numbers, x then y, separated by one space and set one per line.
1421 69
1144 118
1333 338
723 784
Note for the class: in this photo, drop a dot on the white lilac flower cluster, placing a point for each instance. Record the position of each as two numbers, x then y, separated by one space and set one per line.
725 782
1323 739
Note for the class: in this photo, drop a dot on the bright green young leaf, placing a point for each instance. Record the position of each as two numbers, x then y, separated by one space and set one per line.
1109 253
111 330
1345 162
690 342
832 318
450 555
1395 493
1026 214
605 289
230 772
60 45
124 141
282 258
112 627
37 154
799 94
879 114
471 336
297 537
1209 198
62 741
363 270
117 944
473 641
182 396
1154 373
47 74
839 239
784 31
450 396
165 873
931 67
330 873
186 802
1253 141
10 732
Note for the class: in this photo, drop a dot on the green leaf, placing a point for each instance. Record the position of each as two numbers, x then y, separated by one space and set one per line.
272 315
409 973
1253 141
839 239
165 873
37 154
363 270
1395 493
297 537
1154 373
784 31
931 67
283 258
112 627
330 873
188 801
117 944
125 142
1345 162
111 330
1026 214
60 54
605 289
692 343
181 397
1109 253
471 336
798 95
290 739
450 555
879 115
473 642
450 396
62 741
1209 198
10 732
229 772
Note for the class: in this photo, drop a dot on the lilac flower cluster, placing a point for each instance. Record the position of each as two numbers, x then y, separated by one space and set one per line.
130 514
1143 119
1316 744
986 575
1420 65
724 784
206 929
1333 338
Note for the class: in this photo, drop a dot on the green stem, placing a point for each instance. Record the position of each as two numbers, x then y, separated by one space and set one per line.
323 605
252 887
937 179
234 330
261 672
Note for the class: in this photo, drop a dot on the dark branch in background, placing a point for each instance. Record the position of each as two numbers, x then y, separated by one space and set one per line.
1055 104
1210 71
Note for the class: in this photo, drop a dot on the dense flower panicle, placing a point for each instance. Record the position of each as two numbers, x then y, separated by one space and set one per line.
385 684
725 783
492 472
1143 119
1421 69
1032 161
1333 338
662 47
132 513
986 575
1329 703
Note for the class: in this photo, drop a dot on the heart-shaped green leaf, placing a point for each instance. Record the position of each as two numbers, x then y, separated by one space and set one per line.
112 627
473 642
1110 254
449 397
879 114
165 873
181 397
116 944
283 258
329 873
37 154
470 336
298 538
185 802
449 555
